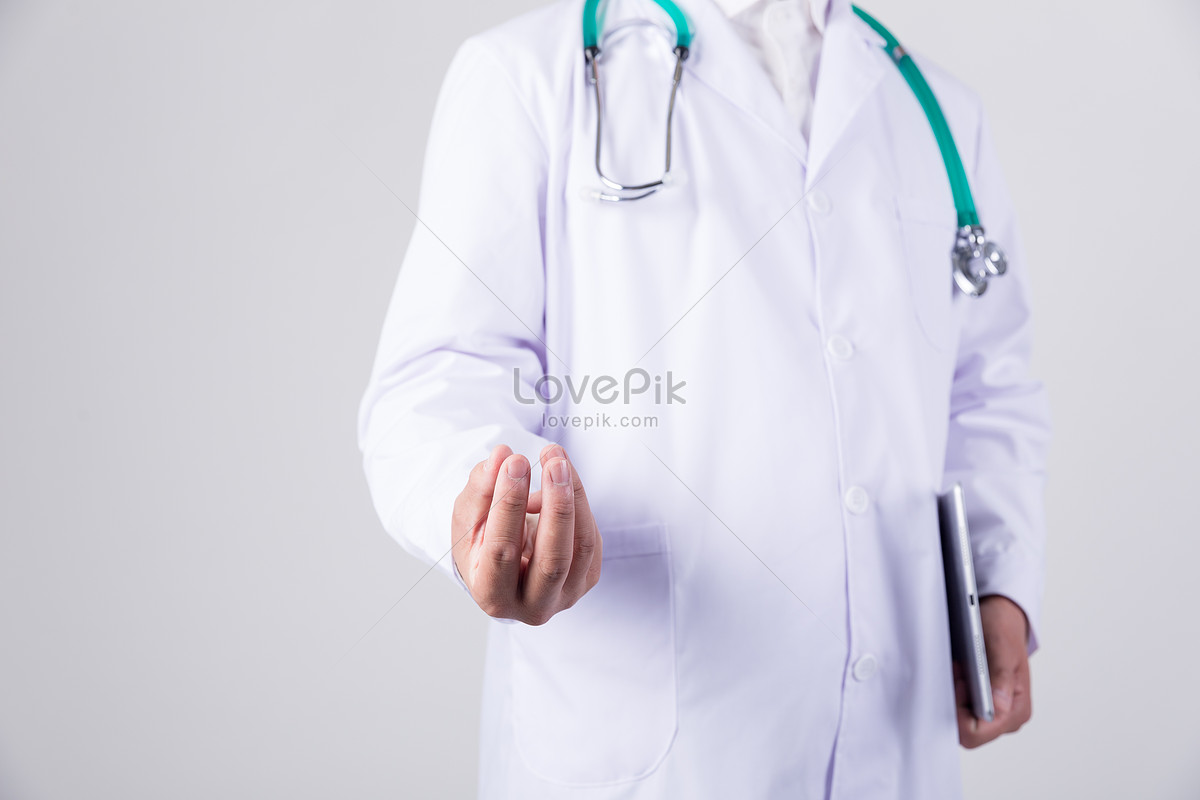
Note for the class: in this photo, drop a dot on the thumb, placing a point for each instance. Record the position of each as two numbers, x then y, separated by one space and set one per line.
1003 687
473 503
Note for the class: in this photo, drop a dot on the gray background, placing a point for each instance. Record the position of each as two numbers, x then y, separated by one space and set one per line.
194 265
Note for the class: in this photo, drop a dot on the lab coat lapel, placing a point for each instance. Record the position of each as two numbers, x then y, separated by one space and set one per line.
723 62
848 73
851 67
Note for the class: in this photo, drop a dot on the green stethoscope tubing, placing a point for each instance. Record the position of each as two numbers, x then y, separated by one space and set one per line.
592 25
975 259
964 203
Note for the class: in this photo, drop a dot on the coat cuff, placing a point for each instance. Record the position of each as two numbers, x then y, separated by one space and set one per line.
1017 577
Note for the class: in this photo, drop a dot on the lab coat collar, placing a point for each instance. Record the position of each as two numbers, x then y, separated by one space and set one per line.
847 74
819 10
851 67
719 58
722 60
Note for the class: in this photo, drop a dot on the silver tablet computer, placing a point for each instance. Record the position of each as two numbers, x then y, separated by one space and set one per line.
962 597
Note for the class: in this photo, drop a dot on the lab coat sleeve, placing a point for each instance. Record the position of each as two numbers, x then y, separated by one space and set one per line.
466 314
999 417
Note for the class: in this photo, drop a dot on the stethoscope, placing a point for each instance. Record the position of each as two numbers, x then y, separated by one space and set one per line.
975 259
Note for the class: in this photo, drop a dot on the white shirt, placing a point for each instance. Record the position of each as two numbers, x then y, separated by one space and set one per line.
786 36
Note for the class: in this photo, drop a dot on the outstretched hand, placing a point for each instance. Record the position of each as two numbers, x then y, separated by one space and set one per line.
525 556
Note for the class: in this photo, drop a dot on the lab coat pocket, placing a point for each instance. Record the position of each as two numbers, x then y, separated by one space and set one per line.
927 231
593 690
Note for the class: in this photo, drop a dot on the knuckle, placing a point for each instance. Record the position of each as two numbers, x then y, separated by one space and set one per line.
504 554
554 569
585 546
512 500
560 514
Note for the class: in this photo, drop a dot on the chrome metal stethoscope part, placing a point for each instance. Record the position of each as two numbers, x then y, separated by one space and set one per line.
976 260
623 192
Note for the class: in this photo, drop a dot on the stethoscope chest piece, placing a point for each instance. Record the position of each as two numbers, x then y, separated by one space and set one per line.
976 260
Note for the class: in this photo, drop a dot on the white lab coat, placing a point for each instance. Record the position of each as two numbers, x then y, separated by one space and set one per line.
770 621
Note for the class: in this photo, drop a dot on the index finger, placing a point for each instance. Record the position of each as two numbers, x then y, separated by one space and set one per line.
588 547
551 559
499 569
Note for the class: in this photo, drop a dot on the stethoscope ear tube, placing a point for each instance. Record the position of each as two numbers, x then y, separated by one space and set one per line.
974 258
620 192
592 23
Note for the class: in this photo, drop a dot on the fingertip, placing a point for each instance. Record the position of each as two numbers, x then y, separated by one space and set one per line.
551 451
497 456
482 480
560 473
516 466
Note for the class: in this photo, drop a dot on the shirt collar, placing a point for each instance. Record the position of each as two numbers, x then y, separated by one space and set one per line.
820 13
731 8
818 8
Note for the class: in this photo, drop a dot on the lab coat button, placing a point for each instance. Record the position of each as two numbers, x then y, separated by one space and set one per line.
857 500
865 667
818 201
840 347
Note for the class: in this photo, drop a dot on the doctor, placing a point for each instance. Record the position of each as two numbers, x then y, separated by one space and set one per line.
686 449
